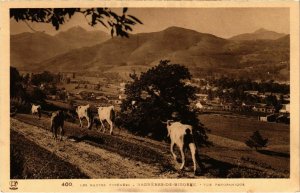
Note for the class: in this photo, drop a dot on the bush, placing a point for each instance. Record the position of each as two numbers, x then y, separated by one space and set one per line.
16 87
256 141
45 77
19 105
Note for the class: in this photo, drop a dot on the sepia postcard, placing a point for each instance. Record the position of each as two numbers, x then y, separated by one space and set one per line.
149 96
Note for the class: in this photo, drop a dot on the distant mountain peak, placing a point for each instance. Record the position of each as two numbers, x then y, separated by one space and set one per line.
176 28
173 28
261 30
76 29
260 34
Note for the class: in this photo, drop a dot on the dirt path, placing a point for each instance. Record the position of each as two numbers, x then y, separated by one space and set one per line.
93 161
123 155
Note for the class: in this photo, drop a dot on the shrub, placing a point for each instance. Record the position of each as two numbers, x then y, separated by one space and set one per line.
256 141
19 105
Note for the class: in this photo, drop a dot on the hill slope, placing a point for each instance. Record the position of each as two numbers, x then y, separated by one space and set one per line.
177 44
28 49
198 51
78 37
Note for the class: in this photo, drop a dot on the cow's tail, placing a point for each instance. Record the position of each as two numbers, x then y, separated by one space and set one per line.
112 115
188 136
51 126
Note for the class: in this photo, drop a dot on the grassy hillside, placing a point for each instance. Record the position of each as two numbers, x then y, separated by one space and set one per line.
28 49
34 162
263 59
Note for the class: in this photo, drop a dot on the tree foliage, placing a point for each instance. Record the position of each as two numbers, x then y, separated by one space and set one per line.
16 88
44 77
158 95
119 25
256 141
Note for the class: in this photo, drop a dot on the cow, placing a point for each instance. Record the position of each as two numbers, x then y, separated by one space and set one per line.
57 121
106 114
36 109
264 119
84 112
182 135
199 105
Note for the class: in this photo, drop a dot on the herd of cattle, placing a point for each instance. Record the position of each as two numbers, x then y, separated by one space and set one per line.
180 134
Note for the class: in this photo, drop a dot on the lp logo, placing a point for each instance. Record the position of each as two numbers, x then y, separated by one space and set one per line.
13 185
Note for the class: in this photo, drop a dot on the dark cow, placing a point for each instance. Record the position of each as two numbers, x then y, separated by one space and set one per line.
57 122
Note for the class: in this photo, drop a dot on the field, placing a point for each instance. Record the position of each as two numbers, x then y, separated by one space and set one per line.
93 154
239 128
233 130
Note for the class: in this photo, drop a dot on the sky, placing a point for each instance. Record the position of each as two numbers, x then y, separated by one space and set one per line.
222 22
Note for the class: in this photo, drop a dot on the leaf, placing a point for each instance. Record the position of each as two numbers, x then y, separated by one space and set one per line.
114 15
127 27
110 23
100 10
135 19
123 33
125 10
55 23
129 21
102 23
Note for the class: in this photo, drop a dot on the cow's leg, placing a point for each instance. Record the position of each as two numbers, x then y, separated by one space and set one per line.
182 156
172 150
96 124
111 126
52 131
55 133
80 123
61 132
102 126
88 120
193 153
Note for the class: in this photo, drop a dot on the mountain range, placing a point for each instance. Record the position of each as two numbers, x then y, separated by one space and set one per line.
28 49
66 51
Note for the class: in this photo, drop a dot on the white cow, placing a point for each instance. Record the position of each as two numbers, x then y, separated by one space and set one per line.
106 114
36 109
84 112
199 105
182 135
264 119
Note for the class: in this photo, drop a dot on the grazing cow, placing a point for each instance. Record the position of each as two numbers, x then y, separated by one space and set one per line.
264 119
108 114
36 109
182 135
84 112
199 105
57 121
